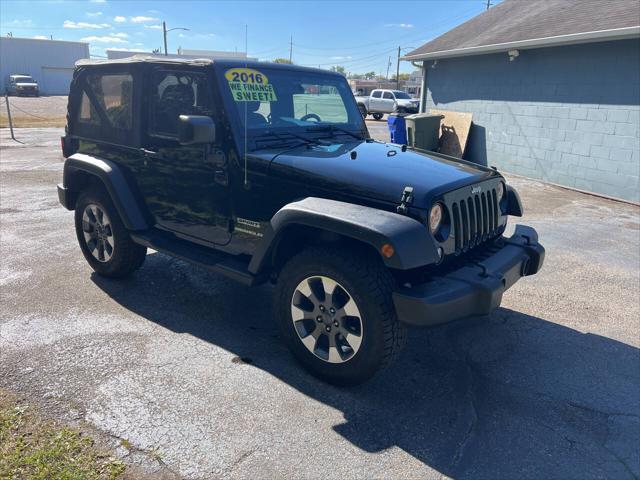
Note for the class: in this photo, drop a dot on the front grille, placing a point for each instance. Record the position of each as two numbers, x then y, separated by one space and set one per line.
474 219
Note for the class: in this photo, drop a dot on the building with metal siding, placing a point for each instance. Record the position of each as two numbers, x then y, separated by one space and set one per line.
114 54
49 62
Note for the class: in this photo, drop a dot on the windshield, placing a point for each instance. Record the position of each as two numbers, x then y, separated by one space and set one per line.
274 100
24 79
401 95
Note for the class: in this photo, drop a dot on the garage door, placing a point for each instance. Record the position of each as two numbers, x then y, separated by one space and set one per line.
56 81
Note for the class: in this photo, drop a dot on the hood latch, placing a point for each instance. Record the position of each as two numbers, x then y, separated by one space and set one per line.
405 201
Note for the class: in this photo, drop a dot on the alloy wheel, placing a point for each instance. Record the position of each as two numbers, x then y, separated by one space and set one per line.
326 319
98 234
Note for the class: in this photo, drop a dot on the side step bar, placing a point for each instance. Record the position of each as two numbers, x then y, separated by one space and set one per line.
215 261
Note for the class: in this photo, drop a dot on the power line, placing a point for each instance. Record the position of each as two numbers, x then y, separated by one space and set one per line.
394 41
353 60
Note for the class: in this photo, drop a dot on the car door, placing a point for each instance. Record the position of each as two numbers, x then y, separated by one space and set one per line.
375 101
187 186
388 102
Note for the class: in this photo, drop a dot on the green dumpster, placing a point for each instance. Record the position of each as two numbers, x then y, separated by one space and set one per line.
423 130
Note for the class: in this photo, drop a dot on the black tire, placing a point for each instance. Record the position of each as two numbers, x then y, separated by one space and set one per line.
378 116
126 256
363 110
369 284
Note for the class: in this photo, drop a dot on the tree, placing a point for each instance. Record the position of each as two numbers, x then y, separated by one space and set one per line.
155 51
370 75
403 76
340 69
281 60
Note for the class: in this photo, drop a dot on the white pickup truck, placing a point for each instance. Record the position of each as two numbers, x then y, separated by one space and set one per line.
386 101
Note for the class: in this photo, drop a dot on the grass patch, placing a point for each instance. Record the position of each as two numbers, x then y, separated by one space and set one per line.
34 448
32 122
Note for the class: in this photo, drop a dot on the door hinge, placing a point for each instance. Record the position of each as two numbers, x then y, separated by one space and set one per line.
405 201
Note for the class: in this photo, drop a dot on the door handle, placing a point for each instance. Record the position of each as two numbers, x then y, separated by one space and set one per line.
148 153
220 176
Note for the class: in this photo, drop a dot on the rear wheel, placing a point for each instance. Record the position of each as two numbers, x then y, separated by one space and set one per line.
103 238
337 316
378 116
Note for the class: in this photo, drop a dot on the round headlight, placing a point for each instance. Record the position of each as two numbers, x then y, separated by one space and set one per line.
500 191
435 218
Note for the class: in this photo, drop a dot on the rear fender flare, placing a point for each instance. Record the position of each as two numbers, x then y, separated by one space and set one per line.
114 181
412 244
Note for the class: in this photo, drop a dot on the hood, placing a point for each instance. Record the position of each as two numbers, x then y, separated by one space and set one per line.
407 101
379 171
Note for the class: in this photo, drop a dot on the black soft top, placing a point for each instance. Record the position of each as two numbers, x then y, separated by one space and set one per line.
222 63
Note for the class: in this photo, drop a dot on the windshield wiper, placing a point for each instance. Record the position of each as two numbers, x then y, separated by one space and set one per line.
304 138
332 128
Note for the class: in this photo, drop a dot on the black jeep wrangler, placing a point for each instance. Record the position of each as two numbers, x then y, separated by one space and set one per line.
266 173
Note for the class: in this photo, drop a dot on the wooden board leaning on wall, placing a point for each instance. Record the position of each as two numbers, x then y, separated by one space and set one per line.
454 131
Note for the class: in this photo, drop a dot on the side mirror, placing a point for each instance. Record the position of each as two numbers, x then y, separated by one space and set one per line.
196 130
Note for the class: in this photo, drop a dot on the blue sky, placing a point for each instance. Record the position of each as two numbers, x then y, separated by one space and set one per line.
359 35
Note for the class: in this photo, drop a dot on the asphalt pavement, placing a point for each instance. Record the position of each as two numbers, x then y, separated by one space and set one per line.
189 369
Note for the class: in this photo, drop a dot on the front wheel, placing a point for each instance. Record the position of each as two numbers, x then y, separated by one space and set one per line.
103 238
336 314
363 110
378 116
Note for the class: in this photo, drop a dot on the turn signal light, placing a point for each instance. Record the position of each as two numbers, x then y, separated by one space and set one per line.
387 250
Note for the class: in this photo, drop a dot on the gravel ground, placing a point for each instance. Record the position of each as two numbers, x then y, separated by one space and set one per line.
378 128
546 387
54 106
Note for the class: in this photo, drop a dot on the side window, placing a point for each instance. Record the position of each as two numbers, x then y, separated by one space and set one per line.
174 94
388 95
88 112
376 94
114 94
105 107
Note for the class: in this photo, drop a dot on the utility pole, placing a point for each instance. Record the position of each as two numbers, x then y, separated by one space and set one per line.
488 4
388 65
164 33
291 50
398 71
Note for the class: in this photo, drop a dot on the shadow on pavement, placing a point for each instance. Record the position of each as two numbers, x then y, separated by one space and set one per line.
505 396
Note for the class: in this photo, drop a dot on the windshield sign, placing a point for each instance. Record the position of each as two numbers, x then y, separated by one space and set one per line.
248 85
269 99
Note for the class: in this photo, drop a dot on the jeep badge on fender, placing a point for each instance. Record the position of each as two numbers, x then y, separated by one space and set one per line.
266 173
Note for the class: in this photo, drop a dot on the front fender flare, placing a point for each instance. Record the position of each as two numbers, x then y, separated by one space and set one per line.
115 182
410 239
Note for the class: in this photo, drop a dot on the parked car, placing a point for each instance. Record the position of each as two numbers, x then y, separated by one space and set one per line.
266 173
21 84
386 101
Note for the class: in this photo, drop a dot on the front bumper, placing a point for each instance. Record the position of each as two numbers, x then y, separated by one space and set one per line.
476 288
